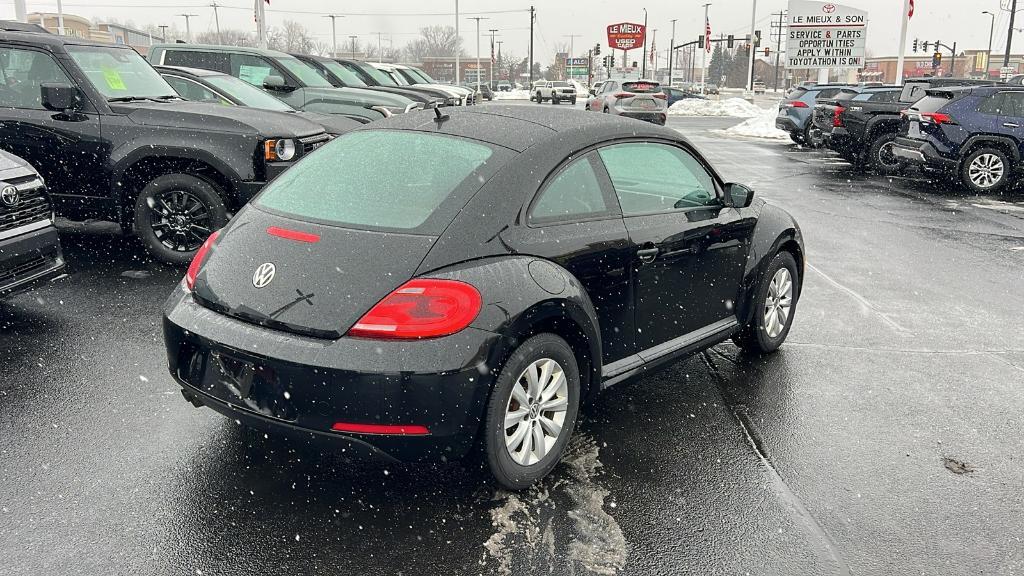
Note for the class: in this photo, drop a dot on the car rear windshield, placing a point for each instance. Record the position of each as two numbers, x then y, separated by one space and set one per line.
933 103
641 87
796 93
560 84
392 180
913 91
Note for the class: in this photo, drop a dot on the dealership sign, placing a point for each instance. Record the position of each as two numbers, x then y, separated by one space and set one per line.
825 35
626 36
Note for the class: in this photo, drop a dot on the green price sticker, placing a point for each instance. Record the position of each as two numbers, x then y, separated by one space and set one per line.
114 80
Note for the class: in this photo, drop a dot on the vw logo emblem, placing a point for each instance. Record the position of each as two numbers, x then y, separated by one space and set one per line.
9 196
829 8
263 275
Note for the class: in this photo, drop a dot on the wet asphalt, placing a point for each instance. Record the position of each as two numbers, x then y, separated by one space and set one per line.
883 438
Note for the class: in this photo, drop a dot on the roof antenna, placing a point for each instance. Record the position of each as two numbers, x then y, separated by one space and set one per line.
439 117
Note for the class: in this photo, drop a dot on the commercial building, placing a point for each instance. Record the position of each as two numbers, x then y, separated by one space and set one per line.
968 64
84 28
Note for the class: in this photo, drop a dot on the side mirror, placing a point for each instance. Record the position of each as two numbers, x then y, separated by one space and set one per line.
738 195
59 97
593 92
276 83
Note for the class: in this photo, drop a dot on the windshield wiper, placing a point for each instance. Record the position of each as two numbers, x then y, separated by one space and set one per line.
140 98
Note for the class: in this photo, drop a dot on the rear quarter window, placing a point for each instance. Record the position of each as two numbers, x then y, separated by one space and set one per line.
419 194
932 103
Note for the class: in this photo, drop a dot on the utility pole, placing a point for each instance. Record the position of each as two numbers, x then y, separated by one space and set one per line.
261 25
643 63
1009 34
20 12
458 44
704 51
904 20
533 17
777 31
499 43
163 32
353 39
216 19
672 51
380 48
334 34
991 29
491 67
188 26
753 43
478 74
572 51
60 18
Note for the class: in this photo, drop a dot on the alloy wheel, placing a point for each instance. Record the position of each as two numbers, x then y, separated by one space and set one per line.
886 156
986 170
778 303
535 412
180 220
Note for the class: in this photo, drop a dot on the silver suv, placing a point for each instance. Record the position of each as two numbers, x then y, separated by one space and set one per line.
554 90
640 99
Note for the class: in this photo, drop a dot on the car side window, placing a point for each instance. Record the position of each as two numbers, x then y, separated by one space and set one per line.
886 97
22 73
217 61
573 194
253 69
608 87
1013 104
992 105
653 177
195 91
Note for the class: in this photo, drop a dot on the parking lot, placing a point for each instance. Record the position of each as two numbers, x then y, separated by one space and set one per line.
883 438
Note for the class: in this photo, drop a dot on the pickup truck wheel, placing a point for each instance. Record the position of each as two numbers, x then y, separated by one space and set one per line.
540 99
175 213
985 170
882 159
555 100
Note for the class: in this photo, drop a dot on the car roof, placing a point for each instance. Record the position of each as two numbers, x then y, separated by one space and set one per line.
15 26
219 48
54 41
521 127
198 72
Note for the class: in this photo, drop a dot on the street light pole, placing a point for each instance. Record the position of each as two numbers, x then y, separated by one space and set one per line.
334 34
572 51
753 41
478 19
672 52
491 67
643 62
991 29
353 39
458 43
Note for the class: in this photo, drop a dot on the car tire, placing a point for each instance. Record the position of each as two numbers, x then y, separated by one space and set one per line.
880 155
985 170
540 99
796 137
555 100
762 335
606 111
517 469
175 213
808 139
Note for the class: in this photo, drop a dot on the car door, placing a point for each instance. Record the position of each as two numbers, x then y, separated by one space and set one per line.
575 222
995 115
690 250
1011 119
65 148
608 88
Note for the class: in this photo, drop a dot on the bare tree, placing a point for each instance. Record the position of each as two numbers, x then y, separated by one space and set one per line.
292 37
227 37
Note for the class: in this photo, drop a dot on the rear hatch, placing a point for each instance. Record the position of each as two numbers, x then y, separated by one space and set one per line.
828 112
641 96
927 116
320 246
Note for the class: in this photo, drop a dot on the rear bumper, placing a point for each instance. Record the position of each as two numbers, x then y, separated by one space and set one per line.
838 138
646 116
921 153
29 258
786 123
305 385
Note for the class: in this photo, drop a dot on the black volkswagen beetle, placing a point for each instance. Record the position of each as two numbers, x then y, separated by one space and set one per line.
438 281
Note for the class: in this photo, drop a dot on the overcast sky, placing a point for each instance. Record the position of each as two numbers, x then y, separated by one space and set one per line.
947 20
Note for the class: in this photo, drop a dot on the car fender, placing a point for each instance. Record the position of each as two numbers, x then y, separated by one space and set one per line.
1009 143
887 122
774 228
522 292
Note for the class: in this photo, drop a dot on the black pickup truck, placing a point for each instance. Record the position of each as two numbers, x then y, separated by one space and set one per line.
863 127
114 141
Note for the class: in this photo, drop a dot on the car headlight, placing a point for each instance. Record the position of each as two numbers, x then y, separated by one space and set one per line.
281 149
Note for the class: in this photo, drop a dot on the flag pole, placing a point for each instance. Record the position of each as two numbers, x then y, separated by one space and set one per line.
903 40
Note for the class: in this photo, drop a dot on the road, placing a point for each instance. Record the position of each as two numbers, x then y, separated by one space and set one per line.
884 438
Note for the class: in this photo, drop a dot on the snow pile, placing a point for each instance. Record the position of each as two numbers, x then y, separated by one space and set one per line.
512 95
735 107
760 126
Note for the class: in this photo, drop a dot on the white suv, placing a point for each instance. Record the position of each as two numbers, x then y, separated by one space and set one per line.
556 91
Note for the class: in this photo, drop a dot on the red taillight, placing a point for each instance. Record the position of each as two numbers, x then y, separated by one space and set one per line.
197 261
795 104
661 95
623 95
837 120
423 308
293 234
392 429
937 117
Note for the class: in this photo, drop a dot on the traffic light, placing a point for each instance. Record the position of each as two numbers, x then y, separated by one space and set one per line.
915 44
730 42
924 46
937 43
936 59
700 41
597 49
767 51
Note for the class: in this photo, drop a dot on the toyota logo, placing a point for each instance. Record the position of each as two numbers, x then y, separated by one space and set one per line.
263 275
828 8
9 196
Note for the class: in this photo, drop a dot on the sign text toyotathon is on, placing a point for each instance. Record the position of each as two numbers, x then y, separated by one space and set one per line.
825 35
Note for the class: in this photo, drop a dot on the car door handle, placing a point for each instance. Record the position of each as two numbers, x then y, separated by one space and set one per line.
647 255
1011 125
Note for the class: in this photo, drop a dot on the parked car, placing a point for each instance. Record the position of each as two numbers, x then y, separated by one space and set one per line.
640 99
711 89
341 77
217 88
114 141
554 91
595 88
412 76
871 125
29 247
975 133
824 114
796 109
504 86
284 76
674 95
484 93
456 340
758 87
379 79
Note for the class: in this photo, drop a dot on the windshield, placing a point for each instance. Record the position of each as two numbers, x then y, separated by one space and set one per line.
426 77
347 77
306 75
561 84
247 94
379 76
120 73
426 189
408 76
